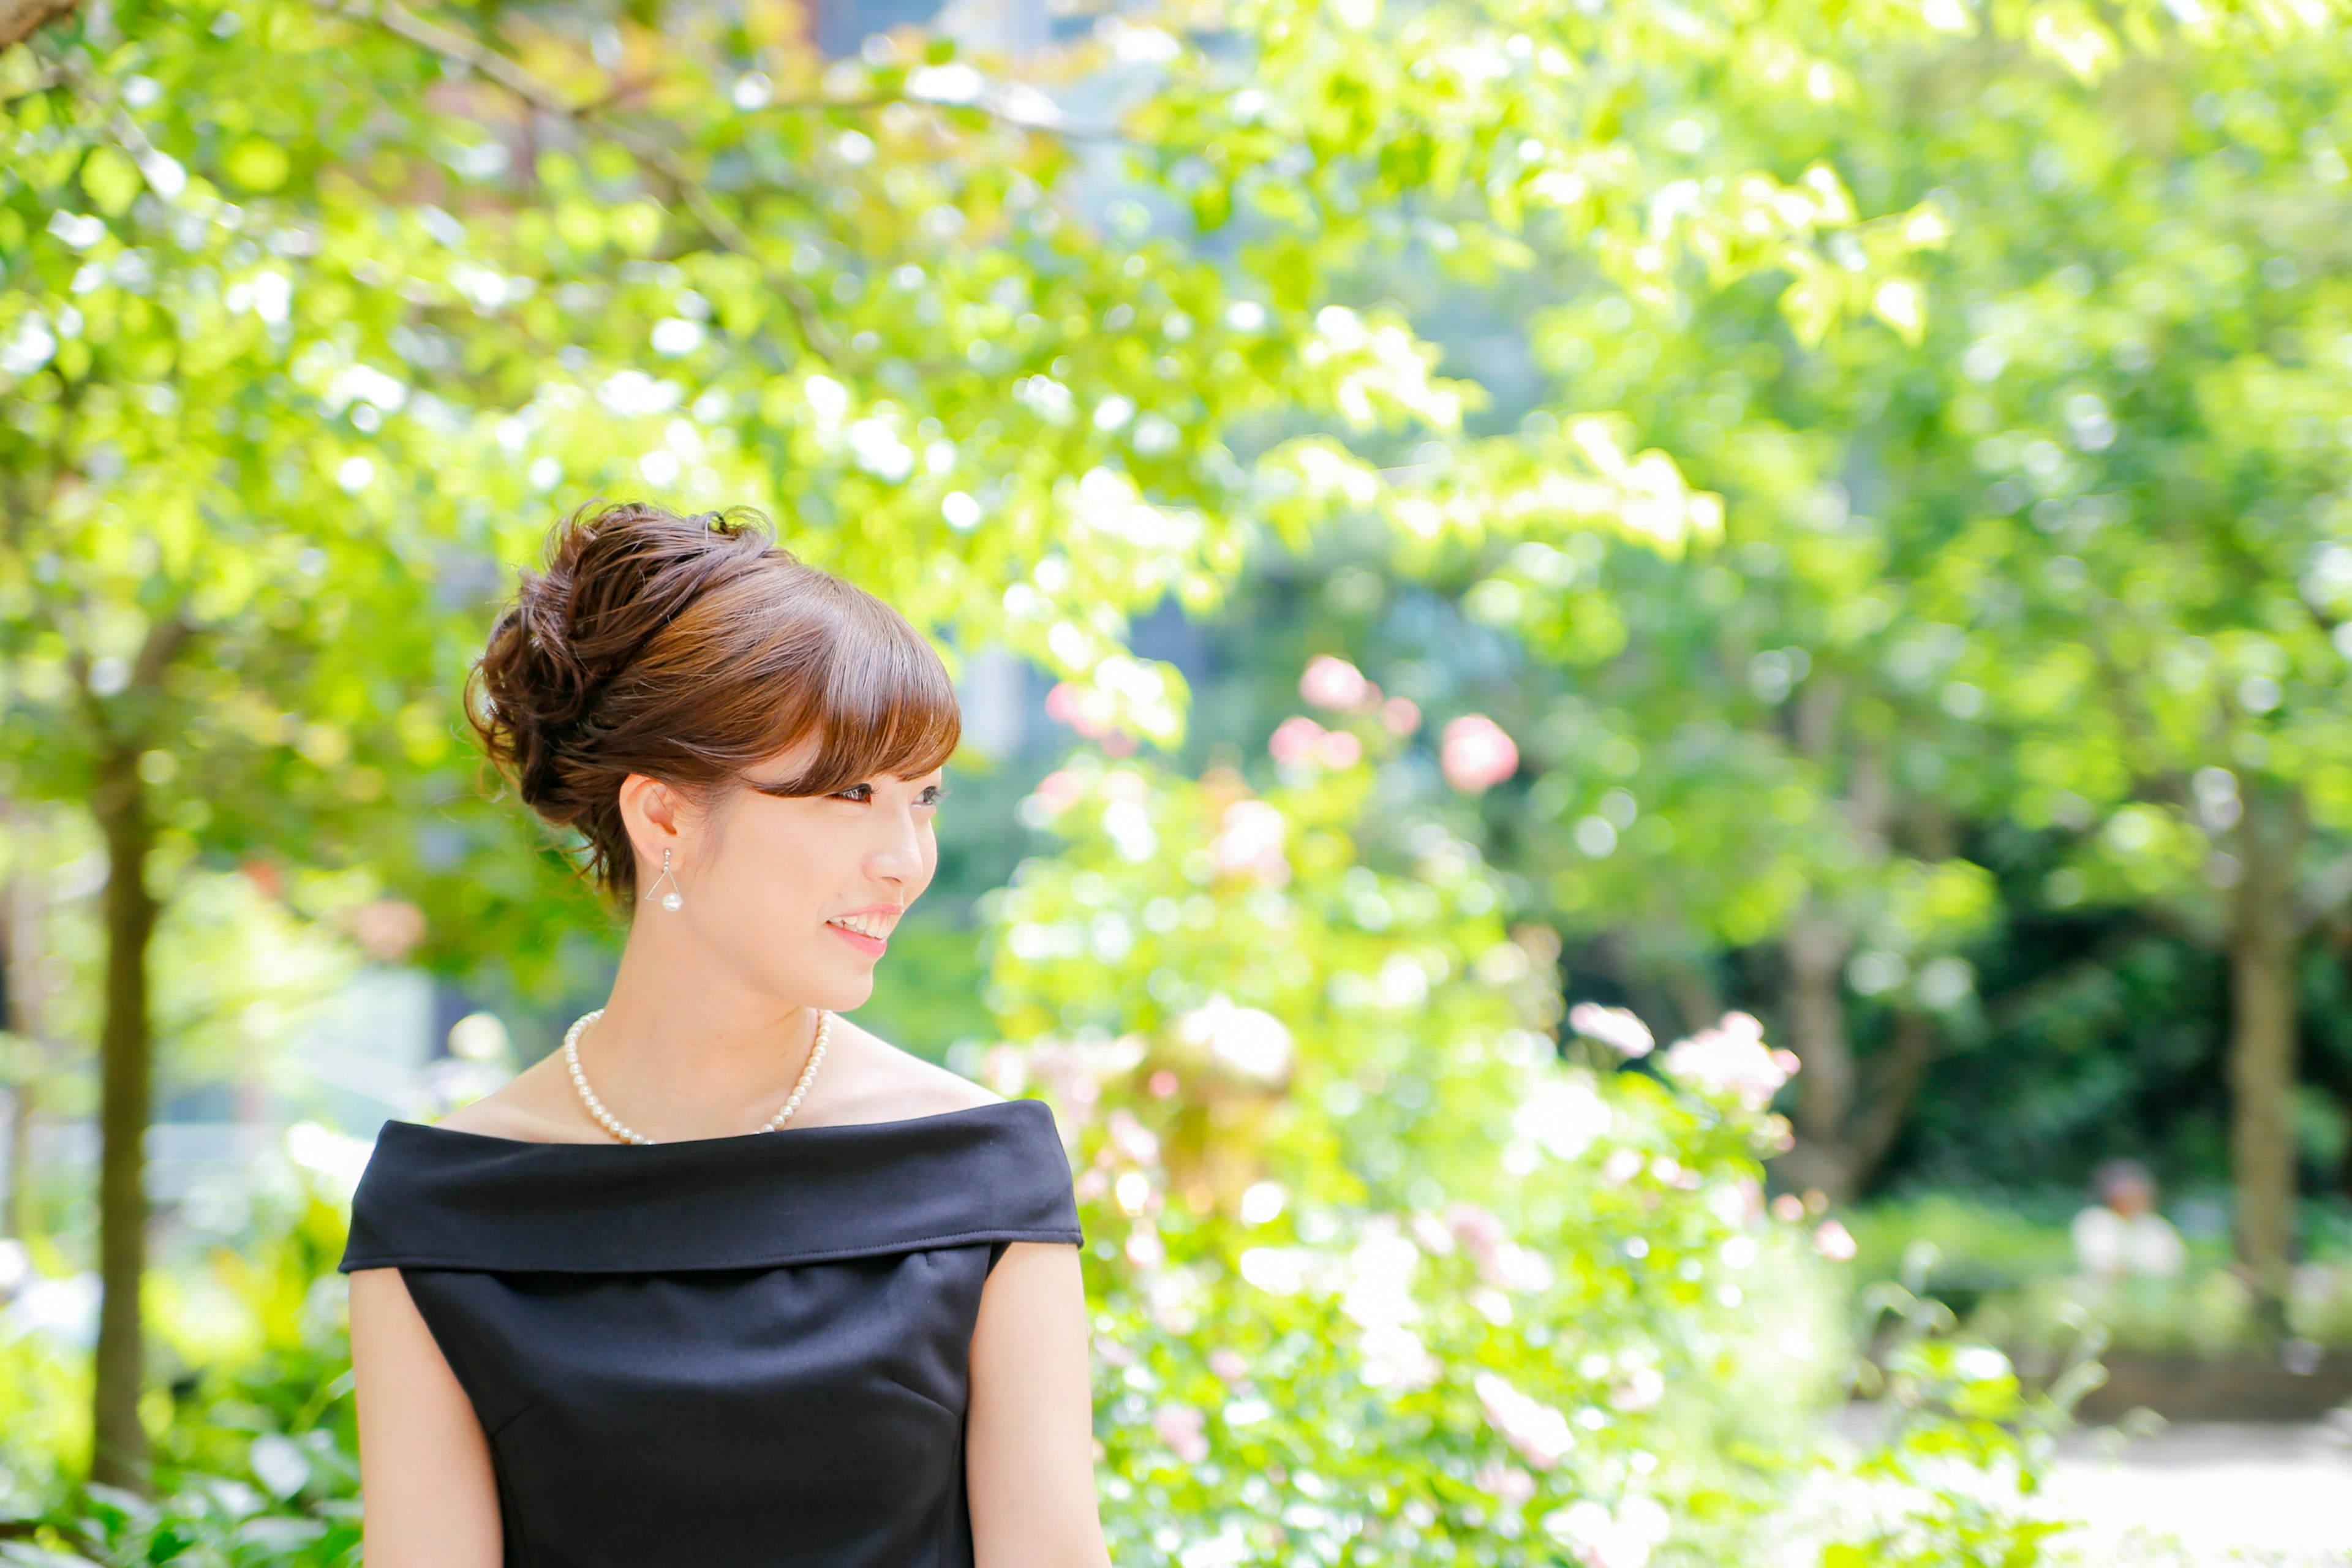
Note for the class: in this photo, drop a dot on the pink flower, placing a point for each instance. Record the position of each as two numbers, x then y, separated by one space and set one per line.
1507 1483
1298 739
1401 715
1184 1429
1249 842
1540 1433
1082 708
1834 1242
1612 1027
1059 790
1335 683
1477 754
1340 749
1732 1060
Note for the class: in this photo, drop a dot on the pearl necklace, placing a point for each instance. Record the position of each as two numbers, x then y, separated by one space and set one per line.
623 1131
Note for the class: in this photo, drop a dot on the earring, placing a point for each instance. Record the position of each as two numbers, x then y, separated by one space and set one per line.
673 900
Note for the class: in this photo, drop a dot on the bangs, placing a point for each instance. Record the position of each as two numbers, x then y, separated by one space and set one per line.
873 692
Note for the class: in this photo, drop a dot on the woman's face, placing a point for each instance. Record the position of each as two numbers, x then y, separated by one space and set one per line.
797 896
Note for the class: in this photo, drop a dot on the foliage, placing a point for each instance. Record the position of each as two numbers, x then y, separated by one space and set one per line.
256 1452
1331 1326
1987 514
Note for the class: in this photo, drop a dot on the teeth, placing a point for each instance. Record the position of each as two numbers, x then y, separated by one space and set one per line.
876 926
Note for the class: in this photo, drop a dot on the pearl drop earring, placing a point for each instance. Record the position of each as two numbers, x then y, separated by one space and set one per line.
673 900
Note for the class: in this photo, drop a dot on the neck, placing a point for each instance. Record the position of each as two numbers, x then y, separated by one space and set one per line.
685 1049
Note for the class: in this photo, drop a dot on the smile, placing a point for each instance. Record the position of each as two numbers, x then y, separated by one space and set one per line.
867 931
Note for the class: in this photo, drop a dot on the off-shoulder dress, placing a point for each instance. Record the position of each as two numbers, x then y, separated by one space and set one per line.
731 1352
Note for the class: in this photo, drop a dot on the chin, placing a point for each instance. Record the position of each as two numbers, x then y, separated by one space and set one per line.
844 993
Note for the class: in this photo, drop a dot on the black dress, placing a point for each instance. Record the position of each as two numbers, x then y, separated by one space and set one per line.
732 1352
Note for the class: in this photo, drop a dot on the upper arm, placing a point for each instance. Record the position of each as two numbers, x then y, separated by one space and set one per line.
424 1466
1029 1447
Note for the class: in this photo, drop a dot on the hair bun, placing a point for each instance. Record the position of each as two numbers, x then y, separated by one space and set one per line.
615 577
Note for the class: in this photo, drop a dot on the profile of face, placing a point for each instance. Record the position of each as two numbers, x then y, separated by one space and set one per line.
794 897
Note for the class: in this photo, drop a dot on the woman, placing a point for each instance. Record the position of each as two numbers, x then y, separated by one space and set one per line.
727 1280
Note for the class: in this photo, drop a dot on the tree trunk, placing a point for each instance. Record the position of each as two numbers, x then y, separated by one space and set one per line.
1896 1078
26 986
1816 949
119 1455
2263 938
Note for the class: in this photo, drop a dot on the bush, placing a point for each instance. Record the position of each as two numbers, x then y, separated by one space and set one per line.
1381 1276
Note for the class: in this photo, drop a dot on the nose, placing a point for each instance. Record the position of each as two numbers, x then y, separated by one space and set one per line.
898 857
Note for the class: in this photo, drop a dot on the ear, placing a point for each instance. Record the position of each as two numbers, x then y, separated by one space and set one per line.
655 814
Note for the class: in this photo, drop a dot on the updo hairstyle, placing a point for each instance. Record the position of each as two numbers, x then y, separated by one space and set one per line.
690 649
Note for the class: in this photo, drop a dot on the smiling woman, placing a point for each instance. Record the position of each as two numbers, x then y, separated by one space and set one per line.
836 1319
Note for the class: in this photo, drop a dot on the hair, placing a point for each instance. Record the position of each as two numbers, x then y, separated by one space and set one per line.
688 650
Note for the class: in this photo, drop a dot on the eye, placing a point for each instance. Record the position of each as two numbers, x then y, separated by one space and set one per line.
932 794
861 792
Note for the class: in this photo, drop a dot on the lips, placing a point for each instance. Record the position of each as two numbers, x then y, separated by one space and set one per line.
867 931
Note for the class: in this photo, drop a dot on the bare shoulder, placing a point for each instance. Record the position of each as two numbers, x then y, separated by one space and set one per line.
536 1105
879 1083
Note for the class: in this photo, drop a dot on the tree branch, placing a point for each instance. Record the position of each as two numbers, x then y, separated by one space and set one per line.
544 96
20 19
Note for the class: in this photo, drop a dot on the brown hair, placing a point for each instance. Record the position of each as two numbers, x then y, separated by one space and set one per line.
687 650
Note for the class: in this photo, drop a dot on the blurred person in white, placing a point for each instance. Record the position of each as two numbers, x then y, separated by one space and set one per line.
2122 1237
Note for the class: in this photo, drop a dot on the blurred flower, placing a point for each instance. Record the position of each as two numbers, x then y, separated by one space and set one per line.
478 1037
1249 843
1335 683
1133 1191
1401 715
1184 1429
1395 1357
1541 1433
1299 740
1379 1299
1564 1115
1638 1389
1058 791
1615 1028
386 928
1276 1270
335 1160
1622 1166
1477 754
1296 739
1229 1364
1132 1140
1508 1484
1732 1059
1501 1261
1262 1203
1090 711
1789 1208
1005 1069
1834 1242
1072 1074
1144 1247
1252 1043
65 1310
1603 1539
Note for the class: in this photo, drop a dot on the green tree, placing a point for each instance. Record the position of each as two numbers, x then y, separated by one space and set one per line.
284 284
2096 513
